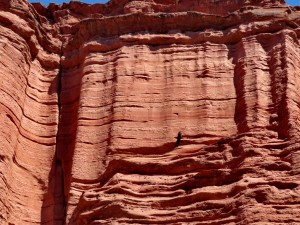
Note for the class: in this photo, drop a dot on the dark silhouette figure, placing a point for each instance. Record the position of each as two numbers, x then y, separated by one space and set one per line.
178 139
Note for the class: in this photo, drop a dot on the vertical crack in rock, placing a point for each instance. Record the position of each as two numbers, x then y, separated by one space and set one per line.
54 204
59 171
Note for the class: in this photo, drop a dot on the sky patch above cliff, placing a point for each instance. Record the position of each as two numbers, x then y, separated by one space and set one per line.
46 2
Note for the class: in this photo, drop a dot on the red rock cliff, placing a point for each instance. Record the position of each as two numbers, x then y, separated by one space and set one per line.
93 96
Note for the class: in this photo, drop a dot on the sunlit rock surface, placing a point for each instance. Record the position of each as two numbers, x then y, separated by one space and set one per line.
92 98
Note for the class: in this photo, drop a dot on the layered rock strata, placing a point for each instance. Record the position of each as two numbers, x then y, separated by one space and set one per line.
93 96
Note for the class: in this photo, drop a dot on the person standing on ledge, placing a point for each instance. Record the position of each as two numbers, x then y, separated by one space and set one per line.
178 139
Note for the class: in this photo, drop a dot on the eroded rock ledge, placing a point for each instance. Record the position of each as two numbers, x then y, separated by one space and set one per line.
92 98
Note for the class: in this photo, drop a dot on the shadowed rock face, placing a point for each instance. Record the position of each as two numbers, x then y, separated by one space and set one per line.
92 98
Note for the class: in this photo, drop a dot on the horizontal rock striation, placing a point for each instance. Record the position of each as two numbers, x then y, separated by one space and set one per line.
93 96
28 110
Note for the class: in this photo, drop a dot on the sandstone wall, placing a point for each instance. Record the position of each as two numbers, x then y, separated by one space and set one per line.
93 96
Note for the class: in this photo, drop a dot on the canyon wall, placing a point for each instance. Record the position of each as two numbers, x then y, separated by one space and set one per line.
93 96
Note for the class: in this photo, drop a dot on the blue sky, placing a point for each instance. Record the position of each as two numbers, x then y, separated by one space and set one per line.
293 2
46 2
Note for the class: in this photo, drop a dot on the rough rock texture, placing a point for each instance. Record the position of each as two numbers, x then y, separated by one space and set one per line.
92 98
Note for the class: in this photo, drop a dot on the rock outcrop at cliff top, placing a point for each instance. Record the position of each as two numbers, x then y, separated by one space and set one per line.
92 98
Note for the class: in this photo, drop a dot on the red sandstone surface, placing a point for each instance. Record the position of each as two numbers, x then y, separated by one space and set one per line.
92 98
